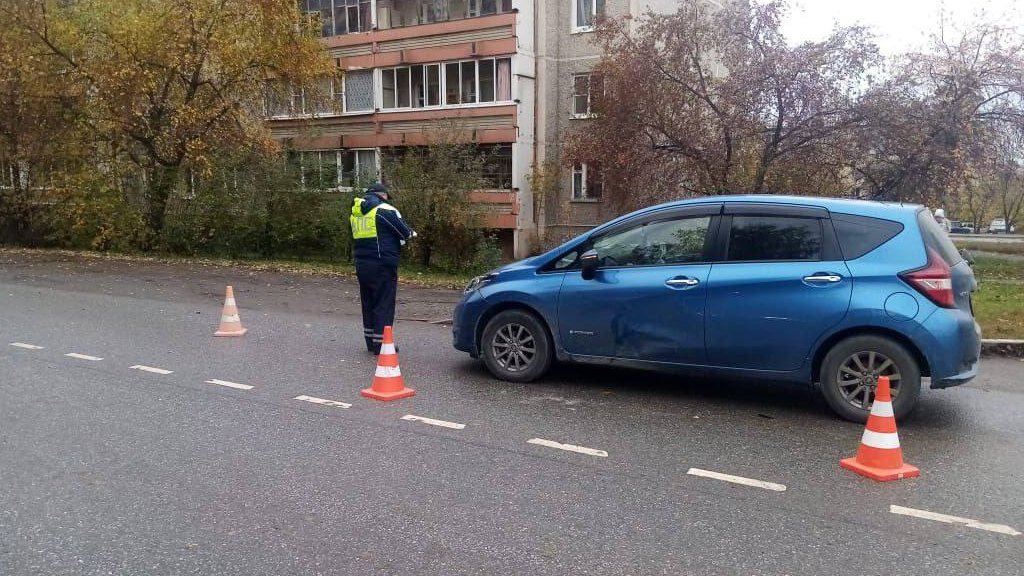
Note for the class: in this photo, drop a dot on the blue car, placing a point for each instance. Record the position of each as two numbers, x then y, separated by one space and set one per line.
822 291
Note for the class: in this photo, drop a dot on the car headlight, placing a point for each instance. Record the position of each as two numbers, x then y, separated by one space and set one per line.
479 282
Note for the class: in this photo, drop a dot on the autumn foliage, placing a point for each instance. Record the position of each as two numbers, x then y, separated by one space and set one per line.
148 93
713 100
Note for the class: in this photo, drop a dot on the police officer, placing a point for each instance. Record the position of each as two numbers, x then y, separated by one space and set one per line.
379 233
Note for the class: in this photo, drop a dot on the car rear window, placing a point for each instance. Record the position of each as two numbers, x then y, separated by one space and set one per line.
859 235
935 238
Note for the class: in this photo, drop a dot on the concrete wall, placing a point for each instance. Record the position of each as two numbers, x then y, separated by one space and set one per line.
561 54
524 71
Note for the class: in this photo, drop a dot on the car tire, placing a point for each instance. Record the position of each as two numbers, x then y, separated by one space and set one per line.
848 371
516 346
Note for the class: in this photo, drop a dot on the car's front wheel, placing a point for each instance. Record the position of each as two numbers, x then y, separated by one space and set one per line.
516 346
850 372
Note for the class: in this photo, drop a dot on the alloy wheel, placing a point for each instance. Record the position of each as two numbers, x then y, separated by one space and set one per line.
513 347
858 377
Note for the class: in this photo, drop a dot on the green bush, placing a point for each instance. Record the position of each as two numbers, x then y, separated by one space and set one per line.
487 255
256 208
88 214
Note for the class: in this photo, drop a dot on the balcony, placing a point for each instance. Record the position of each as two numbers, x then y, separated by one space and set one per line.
402 13
342 17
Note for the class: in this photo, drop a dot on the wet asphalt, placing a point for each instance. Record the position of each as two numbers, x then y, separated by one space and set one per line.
107 469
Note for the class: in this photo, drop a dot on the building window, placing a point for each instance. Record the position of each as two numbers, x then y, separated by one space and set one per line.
327 97
284 100
339 17
584 87
478 81
358 91
319 169
467 82
585 13
488 7
330 169
324 99
359 168
586 182
411 86
495 161
398 13
497 168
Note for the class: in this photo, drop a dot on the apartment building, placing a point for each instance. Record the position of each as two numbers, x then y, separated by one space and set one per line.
512 75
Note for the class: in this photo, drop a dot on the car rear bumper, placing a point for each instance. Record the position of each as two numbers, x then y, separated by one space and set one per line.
954 350
957 379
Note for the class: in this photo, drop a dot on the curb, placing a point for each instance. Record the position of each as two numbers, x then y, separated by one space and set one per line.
1012 348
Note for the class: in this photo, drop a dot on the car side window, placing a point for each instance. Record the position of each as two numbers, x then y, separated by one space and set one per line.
567 261
859 235
676 241
765 238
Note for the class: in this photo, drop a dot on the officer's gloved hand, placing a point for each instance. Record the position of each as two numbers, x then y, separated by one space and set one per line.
414 234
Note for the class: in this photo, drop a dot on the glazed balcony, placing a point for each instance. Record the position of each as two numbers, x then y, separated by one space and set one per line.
344 17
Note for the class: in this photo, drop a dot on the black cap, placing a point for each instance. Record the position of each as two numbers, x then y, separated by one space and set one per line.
378 189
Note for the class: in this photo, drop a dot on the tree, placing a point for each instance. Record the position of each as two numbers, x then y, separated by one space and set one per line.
36 127
433 186
939 115
712 100
975 200
163 84
1008 176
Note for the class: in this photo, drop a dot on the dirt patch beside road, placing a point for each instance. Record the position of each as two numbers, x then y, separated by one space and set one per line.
202 283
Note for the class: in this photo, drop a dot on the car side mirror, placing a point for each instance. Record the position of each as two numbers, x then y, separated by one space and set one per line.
589 263
966 254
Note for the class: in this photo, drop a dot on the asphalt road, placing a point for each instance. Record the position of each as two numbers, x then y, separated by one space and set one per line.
106 469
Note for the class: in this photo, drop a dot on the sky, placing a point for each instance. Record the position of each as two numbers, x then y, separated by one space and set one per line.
900 25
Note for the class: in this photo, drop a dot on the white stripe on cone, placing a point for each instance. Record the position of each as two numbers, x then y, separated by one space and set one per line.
387 349
883 409
229 301
881 440
387 372
234 318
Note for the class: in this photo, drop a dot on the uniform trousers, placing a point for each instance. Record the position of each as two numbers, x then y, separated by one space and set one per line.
378 287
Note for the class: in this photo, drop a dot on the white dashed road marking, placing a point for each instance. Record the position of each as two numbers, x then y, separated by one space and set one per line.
315 400
737 479
569 447
83 357
151 369
230 384
999 528
433 422
26 346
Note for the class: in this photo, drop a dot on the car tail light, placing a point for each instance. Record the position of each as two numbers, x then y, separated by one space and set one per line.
935 280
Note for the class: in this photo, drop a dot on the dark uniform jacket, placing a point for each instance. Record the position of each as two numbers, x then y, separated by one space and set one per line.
392 231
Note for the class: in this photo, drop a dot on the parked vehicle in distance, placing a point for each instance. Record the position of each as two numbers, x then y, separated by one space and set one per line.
998 226
826 292
961 227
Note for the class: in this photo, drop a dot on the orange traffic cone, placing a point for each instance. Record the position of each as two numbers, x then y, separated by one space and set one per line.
387 380
230 323
879 456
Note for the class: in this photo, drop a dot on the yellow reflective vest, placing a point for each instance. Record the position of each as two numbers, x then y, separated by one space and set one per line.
363 225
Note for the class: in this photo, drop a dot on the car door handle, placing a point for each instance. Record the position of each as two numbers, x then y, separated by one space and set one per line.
823 278
681 282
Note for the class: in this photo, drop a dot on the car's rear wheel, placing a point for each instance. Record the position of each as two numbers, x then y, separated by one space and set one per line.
850 372
516 346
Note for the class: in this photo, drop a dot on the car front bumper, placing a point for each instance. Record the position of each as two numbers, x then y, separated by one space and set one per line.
464 323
